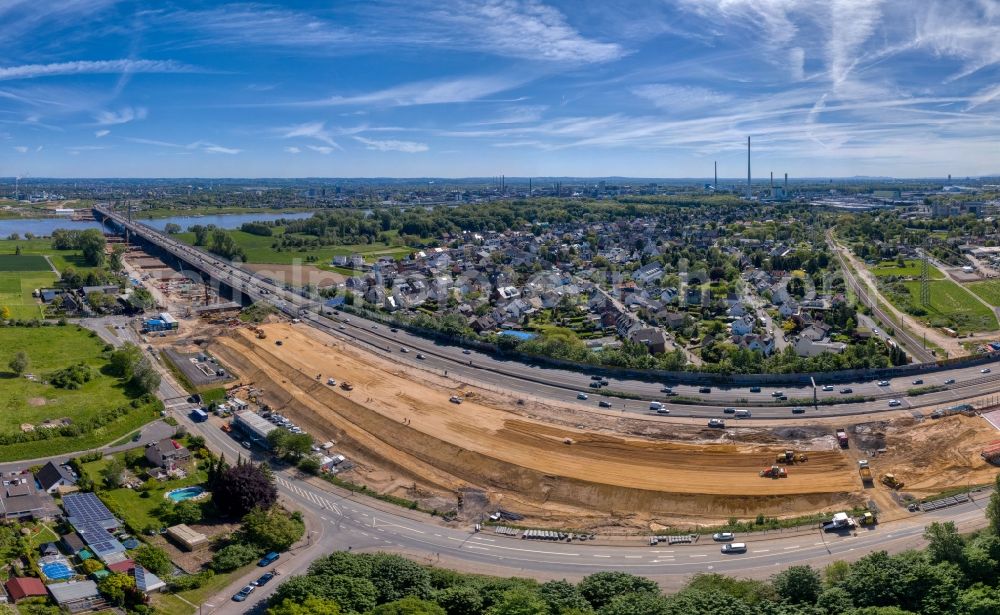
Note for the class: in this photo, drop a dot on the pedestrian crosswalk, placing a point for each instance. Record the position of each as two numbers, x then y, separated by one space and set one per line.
308 495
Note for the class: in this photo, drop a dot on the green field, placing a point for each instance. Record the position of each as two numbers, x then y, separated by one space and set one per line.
43 247
16 290
911 270
988 290
952 306
23 262
259 249
30 401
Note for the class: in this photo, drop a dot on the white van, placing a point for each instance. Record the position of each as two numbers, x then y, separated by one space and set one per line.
742 414
655 405
735 547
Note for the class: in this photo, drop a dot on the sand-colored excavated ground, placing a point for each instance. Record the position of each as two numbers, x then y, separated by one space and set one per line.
525 464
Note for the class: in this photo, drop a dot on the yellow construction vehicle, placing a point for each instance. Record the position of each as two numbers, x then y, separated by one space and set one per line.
790 457
867 519
890 481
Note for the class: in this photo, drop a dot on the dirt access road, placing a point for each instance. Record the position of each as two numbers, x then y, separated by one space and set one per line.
409 428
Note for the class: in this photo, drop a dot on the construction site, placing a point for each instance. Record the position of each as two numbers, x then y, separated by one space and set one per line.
594 471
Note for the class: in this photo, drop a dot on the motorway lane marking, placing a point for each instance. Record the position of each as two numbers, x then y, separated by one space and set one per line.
595 555
633 557
817 544
789 548
526 550
697 556
377 523
477 547
763 550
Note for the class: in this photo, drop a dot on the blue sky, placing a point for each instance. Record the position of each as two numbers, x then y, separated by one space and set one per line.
455 88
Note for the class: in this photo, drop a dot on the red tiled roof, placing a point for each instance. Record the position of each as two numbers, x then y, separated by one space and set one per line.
22 587
124 566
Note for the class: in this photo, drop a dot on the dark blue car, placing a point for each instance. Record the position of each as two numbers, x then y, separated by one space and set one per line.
269 559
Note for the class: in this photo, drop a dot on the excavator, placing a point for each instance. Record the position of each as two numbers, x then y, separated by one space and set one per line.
774 472
890 481
790 457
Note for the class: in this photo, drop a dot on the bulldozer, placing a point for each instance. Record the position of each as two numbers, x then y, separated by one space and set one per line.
790 457
867 519
347 386
774 472
890 481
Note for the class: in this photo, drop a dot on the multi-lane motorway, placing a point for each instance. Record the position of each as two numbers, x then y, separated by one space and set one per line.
566 386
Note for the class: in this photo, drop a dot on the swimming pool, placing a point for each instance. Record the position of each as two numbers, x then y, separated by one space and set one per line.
57 570
521 335
185 493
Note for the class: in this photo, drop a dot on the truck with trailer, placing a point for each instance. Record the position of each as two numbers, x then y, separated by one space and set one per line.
865 472
841 522
842 438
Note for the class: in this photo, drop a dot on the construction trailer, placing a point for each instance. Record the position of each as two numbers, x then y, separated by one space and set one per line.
254 427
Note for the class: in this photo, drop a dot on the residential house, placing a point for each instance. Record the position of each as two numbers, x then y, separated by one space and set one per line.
77 596
742 326
755 342
805 347
19 588
19 499
167 454
54 477
654 339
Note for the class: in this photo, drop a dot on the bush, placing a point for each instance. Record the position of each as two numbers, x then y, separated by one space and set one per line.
234 556
153 559
191 581
72 377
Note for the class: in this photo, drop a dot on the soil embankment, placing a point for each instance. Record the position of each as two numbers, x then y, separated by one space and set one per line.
420 442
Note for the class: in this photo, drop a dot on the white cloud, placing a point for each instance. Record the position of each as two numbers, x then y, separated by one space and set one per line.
202 146
323 149
524 29
292 150
392 145
681 98
459 90
21 149
102 133
124 116
310 130
87 67
209 148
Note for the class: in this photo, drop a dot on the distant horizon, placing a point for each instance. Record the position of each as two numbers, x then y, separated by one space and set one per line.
510 179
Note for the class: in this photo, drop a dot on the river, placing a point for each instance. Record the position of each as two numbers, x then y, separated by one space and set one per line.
43 227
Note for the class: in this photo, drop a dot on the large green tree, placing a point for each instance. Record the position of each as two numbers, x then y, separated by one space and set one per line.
271 529
798 584
601 588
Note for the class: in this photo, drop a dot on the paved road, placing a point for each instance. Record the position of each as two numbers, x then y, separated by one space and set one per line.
912 345
565 385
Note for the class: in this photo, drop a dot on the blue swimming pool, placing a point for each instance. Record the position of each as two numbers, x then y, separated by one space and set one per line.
185 493
521 335
57 570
